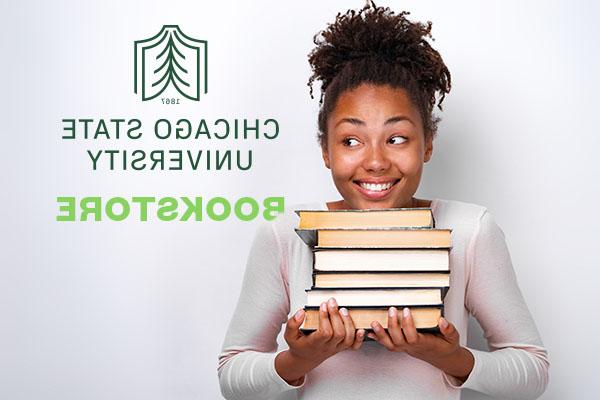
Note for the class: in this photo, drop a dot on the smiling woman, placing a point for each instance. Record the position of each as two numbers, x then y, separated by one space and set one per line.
380 80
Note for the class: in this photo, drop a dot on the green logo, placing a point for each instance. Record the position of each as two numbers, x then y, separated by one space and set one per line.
170 59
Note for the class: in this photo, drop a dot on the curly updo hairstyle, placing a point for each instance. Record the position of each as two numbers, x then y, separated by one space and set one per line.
376 46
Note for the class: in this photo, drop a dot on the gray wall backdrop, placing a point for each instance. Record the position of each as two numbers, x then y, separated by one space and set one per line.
138 310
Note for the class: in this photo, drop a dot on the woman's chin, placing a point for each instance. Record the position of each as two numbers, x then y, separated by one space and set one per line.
364 204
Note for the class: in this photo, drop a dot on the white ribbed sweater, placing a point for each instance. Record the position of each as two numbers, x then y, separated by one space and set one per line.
482 283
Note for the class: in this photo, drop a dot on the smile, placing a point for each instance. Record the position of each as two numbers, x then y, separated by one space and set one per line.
375 190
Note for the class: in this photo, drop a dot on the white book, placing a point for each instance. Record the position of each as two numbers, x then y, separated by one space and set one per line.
382 260
376 297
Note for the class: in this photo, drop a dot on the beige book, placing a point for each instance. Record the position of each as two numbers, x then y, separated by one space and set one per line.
388 217
384 238
382 280
425 318
376 297
381 260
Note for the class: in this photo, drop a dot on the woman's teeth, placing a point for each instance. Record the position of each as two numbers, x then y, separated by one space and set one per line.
376 187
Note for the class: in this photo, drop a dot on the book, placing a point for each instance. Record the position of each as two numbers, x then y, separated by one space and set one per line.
381 260
369 260
425 318
380 279
376 297
387 217
377 238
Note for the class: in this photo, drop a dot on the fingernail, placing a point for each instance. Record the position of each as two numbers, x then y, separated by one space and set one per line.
299 314
406 312
344 312
375 326
392 312
332 303
360 333
443 323
323 306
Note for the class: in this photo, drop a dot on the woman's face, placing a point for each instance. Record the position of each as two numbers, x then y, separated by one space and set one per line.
376 147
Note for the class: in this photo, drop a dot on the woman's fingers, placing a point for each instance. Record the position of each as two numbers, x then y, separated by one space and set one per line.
339 331
324 331
402 335
292 328
348 327
448 330
408 327
381 336
394 329
358 339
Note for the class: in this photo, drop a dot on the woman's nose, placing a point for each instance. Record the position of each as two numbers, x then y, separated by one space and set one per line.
376 159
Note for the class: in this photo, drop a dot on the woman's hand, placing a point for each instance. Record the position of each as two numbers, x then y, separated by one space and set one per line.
336 333
441 350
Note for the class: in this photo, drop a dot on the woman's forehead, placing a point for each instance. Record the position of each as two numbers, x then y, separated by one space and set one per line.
370 104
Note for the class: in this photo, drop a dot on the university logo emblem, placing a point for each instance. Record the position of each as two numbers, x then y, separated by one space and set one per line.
170 59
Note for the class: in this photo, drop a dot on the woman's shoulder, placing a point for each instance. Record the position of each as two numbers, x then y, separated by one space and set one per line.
463 218
458 209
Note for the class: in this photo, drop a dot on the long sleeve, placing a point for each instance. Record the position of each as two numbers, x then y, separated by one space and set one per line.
517 365
247 361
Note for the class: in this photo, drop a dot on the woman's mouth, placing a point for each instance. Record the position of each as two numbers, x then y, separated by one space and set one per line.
373 190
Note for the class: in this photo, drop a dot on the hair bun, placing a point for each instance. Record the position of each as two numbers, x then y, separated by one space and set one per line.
378 33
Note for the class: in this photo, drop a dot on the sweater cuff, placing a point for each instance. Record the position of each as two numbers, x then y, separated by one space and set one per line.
278 380
471 382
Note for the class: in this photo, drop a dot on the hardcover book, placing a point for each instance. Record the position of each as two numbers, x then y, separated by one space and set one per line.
376 297
369 260
399 238
335 259
380 279
425 318
386 217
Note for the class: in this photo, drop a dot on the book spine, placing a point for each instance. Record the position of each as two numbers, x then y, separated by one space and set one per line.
434 331
440 288
321 248
439 306
331 272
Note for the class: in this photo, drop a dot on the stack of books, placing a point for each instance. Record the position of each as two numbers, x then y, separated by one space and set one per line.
370 260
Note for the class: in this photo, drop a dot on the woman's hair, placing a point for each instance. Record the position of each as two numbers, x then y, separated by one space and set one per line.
376 46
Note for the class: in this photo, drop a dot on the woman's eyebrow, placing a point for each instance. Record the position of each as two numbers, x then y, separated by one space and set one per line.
398 118
359 122
353 121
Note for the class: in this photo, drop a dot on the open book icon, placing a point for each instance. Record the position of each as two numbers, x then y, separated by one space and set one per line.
170 58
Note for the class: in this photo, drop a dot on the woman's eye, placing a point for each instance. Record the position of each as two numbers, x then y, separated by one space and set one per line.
351 142
397 139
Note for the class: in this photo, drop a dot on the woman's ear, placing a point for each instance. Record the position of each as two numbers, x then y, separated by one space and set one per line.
428 148
325 154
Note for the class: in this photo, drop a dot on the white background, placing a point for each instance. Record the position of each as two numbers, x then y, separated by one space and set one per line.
139 310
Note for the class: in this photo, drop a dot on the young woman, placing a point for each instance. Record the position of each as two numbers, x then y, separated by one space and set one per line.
379 78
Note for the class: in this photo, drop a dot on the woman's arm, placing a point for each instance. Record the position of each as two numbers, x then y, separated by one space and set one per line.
248 366
336 332
517 365
247 361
